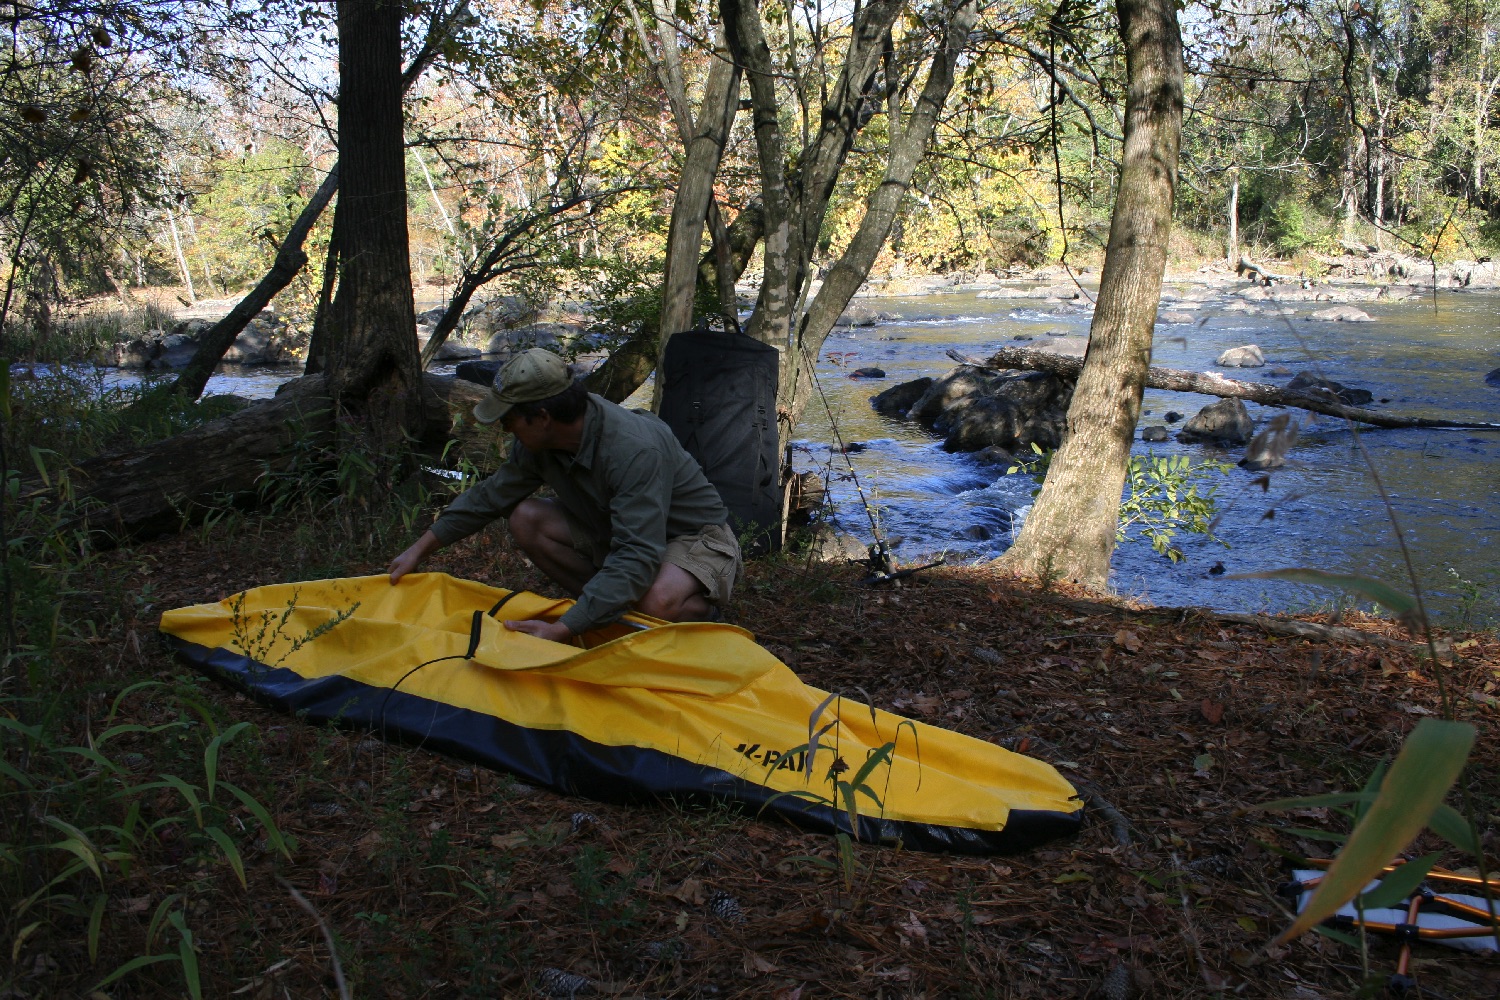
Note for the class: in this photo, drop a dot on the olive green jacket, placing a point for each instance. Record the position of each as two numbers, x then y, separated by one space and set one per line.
630 482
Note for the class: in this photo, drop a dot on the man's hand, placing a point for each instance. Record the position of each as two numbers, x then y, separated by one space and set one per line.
555 631
408 561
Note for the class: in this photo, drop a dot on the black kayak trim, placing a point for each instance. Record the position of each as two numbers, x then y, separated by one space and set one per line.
572 765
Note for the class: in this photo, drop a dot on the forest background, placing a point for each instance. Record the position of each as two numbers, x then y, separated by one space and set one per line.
180 153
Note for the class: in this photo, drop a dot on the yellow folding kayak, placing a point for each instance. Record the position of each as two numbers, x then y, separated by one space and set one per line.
642 710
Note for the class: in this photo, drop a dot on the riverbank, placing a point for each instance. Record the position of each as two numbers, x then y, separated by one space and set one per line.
425 873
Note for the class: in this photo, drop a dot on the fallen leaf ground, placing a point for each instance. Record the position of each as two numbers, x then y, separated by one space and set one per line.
438 879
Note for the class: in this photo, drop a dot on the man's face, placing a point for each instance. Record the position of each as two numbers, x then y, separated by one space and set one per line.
532 432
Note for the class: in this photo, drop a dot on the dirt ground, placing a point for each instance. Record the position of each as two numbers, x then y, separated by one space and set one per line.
438 879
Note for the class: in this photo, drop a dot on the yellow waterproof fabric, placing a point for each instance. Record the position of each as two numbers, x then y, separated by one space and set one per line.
640 703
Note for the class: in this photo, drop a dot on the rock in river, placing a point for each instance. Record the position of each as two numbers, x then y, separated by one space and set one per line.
1224 422
1249 356
1342 314
976 409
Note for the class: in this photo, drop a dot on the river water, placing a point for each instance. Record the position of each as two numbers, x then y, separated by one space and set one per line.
1322 510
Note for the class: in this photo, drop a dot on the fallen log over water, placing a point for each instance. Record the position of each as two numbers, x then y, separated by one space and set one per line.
1248 266
1214 384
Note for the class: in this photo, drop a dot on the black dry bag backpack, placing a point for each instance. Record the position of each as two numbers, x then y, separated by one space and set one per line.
719 398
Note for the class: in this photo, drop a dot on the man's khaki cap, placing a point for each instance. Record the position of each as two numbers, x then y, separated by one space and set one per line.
527 377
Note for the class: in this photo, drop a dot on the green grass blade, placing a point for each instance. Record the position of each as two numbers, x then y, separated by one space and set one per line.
94 757
114 706
189 792
1429 762
21 779
1314 801
188 955
30 732
120 730
96 919
273 834
159 917
139 962
1399 884
211 755
231 853
881 755
1449 824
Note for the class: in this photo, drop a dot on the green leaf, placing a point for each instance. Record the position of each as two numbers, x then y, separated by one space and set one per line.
189 792
157 918
259 812
1402 606
96 917
1399 884
30 732
139 962
1429 762
120 730
41 464
188 955
1313 801
1327 836
114 706
231 853
1449 824
78 843
1339 936
94 757
20 941
14 775
211 755
881 755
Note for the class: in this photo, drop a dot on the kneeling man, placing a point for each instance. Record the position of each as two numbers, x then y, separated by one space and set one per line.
634 524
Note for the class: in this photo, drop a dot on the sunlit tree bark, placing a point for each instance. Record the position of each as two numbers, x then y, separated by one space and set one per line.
1070 532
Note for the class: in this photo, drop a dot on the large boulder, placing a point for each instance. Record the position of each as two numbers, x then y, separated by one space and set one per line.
1062 343
898 399
500 313
1493 378
553 336
479 372
176 350
1224 422
975 409
863 316
1249 356
263 341
1326 388
1341 314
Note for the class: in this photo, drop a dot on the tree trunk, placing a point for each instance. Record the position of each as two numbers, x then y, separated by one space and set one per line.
795 197
290 259
1070 532
695 191
1232 245
372 362
907 147
1213 384
187 278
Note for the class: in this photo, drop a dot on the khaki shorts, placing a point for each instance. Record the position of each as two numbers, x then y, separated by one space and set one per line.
711 554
